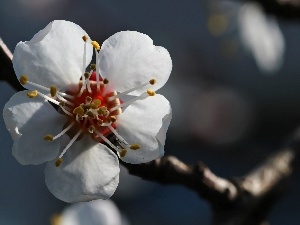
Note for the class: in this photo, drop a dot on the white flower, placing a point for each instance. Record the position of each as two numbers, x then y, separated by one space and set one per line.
100 212
91 108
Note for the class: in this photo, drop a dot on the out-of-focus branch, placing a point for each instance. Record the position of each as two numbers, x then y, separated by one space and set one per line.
6 69
287 9
237 201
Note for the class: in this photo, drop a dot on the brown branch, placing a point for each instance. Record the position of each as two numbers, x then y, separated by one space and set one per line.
237 201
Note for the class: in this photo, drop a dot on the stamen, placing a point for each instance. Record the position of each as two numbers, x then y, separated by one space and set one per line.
79 111
99 122
134 147
23 79
53 91
102 111
93 66
91 129
106 140
143 95
152 82
62 132
88 100
65 95
118 135
32 94
85 38
112 119
65 110
64 100
123 152
48 137
58 162
95 45
49 99
95 103
150 92
97 71
105 81
70 143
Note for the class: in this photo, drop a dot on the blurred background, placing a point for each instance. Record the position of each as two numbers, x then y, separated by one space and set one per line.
234 90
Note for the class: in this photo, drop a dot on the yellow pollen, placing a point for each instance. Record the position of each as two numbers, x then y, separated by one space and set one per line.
123 152
79 111
150 92
23 79
58 162
135 147
91 129
152 81
32 94
100 122
48 137
93 67
53 91
87 75
96 102
95 45
113 119
105 81
102 111
85 38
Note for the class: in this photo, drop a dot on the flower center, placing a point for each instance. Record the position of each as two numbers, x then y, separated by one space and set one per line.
92 109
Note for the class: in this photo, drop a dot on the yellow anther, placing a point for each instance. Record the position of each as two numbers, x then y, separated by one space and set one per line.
23 79
123 152
152 81
95 45
32 94
105 81
85 38
87 75
62 104
79 111
113 119
100 122
93 66
53 91
88 99
58 162
150 92
48 137
91 129
102 111
135 147
96 102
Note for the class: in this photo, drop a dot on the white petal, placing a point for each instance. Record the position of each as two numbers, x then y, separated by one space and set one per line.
100 212
54 56
129 58
29 120
89 171
145 122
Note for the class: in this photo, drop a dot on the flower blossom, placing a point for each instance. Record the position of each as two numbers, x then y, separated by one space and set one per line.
100 212
101 111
